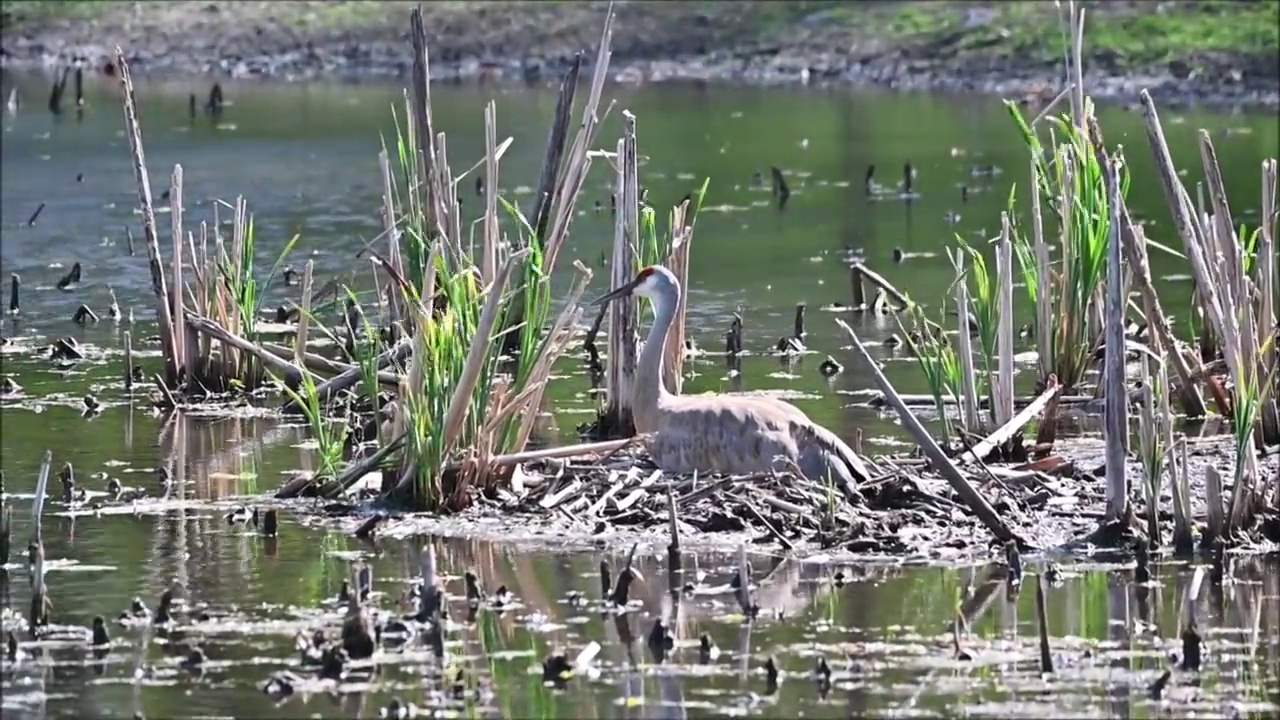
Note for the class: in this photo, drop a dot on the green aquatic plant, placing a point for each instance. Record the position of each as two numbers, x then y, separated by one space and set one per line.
1252 388
330 435
938 361
1072 186
464 399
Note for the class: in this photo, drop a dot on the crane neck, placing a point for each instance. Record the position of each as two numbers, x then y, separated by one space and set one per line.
649 387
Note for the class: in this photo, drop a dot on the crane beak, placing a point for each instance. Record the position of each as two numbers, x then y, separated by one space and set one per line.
623 291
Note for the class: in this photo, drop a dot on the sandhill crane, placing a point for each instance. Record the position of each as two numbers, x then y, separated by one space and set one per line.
733 434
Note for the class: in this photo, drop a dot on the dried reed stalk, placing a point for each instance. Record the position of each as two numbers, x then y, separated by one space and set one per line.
133 130
1002 384
682 222
624 312
1116 428
968 374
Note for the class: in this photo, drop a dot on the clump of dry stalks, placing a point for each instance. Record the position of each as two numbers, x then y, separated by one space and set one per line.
464 333
1081 302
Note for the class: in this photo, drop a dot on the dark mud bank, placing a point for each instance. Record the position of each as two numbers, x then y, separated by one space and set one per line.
988 53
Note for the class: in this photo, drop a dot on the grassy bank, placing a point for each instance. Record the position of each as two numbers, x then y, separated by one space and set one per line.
1209 40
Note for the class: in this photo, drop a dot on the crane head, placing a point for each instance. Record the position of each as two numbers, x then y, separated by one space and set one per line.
646 283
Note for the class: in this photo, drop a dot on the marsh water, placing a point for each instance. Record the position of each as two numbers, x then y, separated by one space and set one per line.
305 158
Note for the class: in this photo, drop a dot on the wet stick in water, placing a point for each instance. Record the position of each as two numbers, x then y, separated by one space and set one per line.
1013 561
38 614
673 548
84 315
621 591
1042 620
1190 635
430 605
743 589
858 286
606 581
31 221
781 191
15 284
71 278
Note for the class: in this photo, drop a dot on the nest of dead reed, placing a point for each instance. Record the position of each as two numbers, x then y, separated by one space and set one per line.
906 509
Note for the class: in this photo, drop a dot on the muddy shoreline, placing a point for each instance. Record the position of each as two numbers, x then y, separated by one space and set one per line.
192 43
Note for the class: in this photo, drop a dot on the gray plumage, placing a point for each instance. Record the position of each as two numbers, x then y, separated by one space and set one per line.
732 434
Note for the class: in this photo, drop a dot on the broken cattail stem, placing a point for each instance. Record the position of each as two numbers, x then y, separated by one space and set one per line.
968 376
31 221
743 591
84 315
1116 428
1042 619
1003 410
128 238
606 580
1183 540
877 280
270 523
71 278
781 190
858 287
624 312
180 359
1013 560
1215 518
673 549
304 316
331 387
15 283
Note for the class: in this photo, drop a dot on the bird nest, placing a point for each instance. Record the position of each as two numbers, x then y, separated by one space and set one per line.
902 511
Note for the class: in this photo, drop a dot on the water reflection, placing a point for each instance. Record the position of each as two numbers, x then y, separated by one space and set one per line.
886 633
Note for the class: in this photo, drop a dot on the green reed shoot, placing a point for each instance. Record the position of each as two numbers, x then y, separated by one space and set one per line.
1074 190
366 356
237 275
1252 388
330 436
938 361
